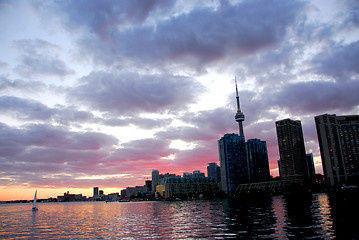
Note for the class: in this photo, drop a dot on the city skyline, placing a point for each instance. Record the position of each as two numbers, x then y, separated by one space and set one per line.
100 93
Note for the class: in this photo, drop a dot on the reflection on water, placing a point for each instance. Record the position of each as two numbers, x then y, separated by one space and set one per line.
308 216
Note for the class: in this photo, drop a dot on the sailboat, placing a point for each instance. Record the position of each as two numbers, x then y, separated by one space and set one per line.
34 208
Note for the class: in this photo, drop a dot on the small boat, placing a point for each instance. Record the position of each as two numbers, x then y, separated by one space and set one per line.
34 208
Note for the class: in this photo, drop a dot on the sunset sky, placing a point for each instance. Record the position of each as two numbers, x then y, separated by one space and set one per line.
100 93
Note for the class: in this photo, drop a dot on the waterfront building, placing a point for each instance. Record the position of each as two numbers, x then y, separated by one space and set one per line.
160 191
187 186
233 160
123 193
113 197
338 138
257 157
198 173
291 150
167 175
148 184
187 174
95 192
214 171
310 166
155 179
137 191
195 173
67 197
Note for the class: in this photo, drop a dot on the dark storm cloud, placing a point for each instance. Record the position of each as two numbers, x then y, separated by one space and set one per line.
350 15
40 57
197 37
42 135
31 110
131 93
104 17
42 65
339 61
25 109
46 150
317 97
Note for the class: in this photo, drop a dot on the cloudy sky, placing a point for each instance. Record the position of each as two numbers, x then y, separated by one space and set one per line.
100 93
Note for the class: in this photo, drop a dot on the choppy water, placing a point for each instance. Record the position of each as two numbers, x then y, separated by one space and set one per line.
317 216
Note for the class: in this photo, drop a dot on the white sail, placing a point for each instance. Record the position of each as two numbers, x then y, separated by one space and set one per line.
34 202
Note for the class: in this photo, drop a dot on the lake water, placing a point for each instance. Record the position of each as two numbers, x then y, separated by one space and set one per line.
309 216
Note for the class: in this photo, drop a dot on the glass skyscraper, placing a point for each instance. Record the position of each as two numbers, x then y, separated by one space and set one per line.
155 179
214 171
233 159
257 157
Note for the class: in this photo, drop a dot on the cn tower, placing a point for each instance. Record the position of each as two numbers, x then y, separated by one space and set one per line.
239 115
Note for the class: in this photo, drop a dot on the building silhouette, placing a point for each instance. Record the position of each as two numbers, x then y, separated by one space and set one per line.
95 191
240 161
338 138
155 179
257 157
190 185
214 171
291 150
233 159
310 166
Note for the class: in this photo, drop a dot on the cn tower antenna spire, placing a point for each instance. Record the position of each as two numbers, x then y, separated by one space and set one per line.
239 115
238 105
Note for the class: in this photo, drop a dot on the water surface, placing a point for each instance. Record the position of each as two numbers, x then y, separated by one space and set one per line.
310 216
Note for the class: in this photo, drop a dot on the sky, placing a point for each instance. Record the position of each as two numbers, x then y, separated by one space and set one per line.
100 93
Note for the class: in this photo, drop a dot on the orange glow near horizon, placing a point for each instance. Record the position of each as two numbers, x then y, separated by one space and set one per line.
14 194
22 193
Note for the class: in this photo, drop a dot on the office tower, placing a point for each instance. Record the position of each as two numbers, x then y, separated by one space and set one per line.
257 157
279 168
155 179
95 191
198 173
214 171
187 174
291 150
233 159
338 138
148 184
239 117
310 166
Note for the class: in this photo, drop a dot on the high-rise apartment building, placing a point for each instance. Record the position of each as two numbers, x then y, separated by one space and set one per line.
310 166
338 138
155 179
233 159
95 191
291 150
257 157
214 171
